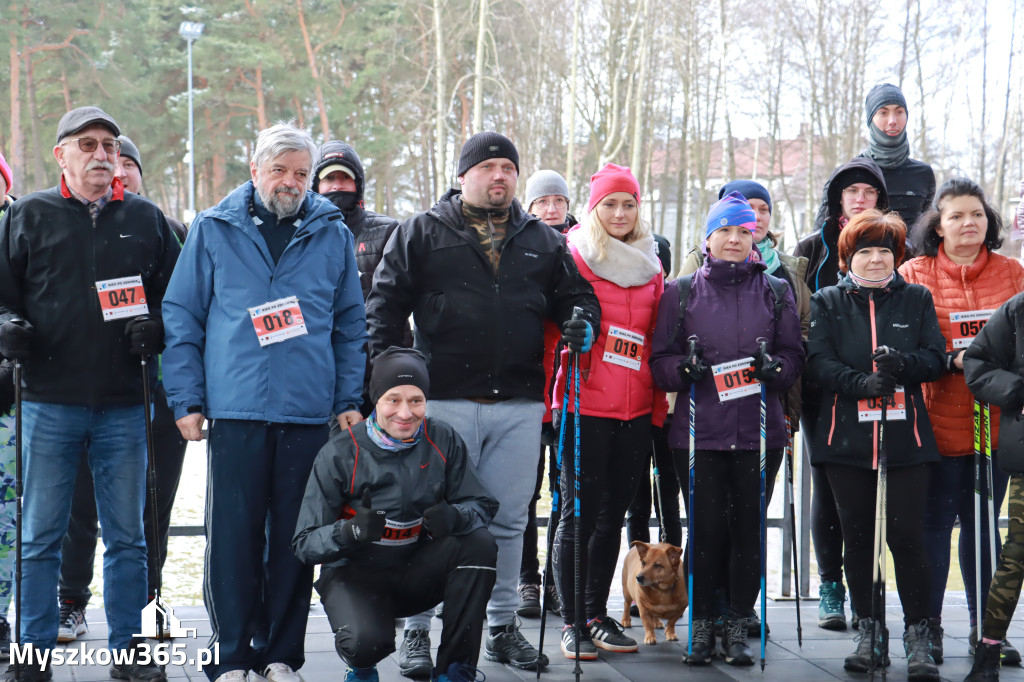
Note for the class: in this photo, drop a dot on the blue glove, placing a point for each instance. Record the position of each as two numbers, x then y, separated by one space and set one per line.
578 335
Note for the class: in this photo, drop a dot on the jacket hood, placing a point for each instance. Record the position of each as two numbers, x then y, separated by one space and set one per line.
840 180
338 152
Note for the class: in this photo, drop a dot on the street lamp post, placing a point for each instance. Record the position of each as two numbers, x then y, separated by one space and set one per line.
190 31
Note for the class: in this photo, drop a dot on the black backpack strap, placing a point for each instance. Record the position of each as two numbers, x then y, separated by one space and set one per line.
683 284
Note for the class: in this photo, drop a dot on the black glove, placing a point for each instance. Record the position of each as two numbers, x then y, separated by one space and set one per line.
878 384
440 519
6 387
766 368
367 525
578 335
16 339
146 334
889 360
693 368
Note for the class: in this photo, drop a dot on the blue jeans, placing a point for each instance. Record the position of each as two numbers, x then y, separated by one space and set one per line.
115 439
951 496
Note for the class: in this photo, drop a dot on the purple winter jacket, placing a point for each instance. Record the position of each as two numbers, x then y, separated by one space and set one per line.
730 306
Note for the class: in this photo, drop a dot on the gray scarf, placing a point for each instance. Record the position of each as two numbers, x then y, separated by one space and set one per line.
888 152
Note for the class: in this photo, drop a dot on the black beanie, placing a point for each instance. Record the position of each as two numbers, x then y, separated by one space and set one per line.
882 95
486 145
129 149
664 250
855 175
398 367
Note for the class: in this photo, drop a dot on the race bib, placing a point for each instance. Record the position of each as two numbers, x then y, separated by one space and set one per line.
278 320
735 379
122 297
624 348
870 409
400 532
963 327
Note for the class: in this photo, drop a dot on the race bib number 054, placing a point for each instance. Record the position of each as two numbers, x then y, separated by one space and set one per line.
122 297
870 409
278 321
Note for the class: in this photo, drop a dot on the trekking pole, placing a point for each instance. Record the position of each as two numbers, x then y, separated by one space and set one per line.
764 507
574 376
154 516
18 493
657 497
878 570
977 506
690 509
792 516
993 520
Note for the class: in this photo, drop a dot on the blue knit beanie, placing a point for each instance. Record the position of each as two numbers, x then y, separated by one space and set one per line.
732 209
750 189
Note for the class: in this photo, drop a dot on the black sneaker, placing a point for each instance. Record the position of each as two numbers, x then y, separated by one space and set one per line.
736 650
917 643
414 654
529 601
137 672
866 657
588 652
510 646
986 664
703 637
936 632
27 672
753 625
607 634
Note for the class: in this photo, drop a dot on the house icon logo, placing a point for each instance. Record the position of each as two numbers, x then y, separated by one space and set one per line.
156 614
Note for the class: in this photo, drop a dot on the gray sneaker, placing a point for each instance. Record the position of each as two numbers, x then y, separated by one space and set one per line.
72 621
510 646
414 654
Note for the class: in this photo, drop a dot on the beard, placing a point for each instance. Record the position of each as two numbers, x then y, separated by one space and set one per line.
282 202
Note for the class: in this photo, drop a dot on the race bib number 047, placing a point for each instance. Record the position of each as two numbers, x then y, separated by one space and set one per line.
122 297
278 321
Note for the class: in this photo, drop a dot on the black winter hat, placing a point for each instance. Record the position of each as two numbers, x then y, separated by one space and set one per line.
338 153
882 95
855 175
129 149
486 145
398 367
664 250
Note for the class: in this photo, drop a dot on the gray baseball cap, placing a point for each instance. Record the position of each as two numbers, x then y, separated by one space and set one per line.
83 117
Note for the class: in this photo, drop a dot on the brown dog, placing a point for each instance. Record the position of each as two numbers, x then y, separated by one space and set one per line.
652 576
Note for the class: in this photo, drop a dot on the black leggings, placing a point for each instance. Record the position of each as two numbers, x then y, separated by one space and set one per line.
639 513
613 454
907 487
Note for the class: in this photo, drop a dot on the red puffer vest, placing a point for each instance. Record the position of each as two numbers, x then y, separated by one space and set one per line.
985 284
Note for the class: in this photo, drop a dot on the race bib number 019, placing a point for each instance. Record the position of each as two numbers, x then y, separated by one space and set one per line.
735 379
278 321
963 327
624 348
400 532
870 409
122 297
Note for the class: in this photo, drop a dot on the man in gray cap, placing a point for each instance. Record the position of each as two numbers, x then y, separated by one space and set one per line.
82 276
480 276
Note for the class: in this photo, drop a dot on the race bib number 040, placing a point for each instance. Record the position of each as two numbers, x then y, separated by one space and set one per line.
735 379
624 348
278 321
963 327
122 297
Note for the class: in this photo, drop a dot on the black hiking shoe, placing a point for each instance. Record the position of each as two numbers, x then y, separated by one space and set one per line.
866 656
917 643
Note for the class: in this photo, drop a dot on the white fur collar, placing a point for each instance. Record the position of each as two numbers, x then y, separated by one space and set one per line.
626 265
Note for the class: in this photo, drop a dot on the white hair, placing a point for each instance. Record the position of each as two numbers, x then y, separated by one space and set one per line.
281 138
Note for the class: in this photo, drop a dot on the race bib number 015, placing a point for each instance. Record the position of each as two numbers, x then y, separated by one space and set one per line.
278 321
870 409
963 327
624 348
122 297
735 379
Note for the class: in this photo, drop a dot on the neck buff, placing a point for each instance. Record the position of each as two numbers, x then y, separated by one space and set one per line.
769 255
888 152
873 283
382 439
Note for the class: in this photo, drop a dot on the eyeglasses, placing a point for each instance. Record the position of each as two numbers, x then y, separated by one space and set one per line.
866 192
557 202
89 144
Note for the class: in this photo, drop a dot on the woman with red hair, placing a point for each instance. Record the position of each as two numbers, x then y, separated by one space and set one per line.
874 335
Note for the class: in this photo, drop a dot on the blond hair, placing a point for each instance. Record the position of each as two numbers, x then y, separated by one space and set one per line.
598 234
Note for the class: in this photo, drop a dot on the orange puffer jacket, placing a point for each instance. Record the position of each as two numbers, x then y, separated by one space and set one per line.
985 284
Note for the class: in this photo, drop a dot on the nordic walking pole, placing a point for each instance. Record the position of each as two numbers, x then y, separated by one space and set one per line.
764 507
977 506
154 516
878 565
18 492
574 376
690 509
556 513
792 516
657 497
993 520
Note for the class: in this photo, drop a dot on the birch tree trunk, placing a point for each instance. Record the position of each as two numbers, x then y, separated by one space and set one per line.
478 74
441 106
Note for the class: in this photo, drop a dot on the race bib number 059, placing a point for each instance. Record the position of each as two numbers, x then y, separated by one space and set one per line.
122 297
735 379
278 320
963 327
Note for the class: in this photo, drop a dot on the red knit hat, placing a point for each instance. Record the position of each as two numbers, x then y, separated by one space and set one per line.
5 171
611 179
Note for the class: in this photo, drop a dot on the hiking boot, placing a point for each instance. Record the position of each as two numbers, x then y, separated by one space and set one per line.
5 639
28 672
588 652
986 664
753 625
461 672
414 654
866 657
831 615
362 675
1008 656
935 633
703 637
137 672
554 602
281 672
510 646
72 621
529 601
917 643
608 635
736 650
854 618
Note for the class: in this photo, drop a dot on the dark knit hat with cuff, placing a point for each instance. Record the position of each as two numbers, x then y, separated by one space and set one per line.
486 145
398 367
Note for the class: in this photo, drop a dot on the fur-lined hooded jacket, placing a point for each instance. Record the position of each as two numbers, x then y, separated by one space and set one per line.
615 378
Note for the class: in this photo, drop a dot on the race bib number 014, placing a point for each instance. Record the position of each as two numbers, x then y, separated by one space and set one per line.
278 321
735 379
122 297
624 348
963 327
400 532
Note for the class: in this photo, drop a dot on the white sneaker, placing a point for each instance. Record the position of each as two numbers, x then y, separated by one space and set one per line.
281 672
232 676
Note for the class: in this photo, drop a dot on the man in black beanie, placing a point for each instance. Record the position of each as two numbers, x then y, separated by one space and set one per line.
480 275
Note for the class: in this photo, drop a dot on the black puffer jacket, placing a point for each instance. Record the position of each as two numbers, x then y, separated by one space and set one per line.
821 248
482 331
839 358
911 187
